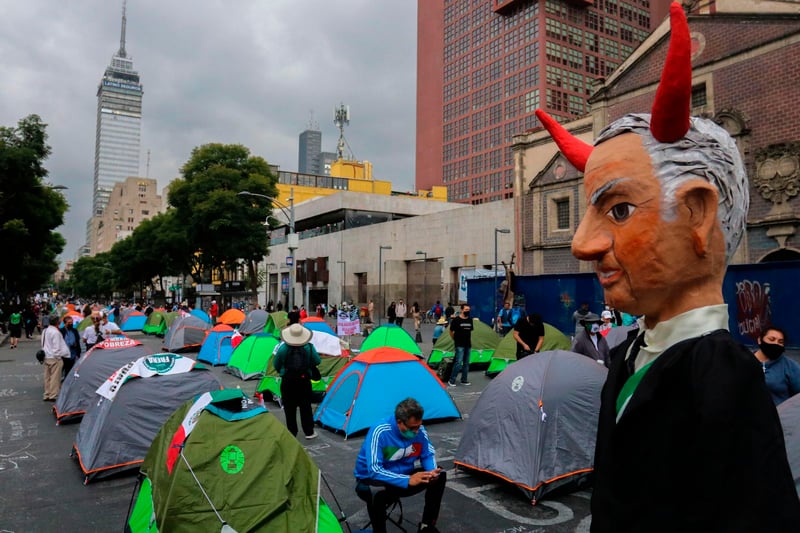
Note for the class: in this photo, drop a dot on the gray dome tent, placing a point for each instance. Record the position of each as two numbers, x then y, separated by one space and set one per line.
90 371
186 334
131 407
789 411
535 425
254 323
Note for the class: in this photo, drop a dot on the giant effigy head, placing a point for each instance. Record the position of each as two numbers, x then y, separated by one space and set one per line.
666 196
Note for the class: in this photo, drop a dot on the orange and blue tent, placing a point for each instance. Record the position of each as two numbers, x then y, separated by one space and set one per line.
373 383
216 348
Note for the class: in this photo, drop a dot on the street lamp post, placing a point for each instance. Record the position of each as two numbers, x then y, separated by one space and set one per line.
381 248
344 278
292 239
424 275
494 311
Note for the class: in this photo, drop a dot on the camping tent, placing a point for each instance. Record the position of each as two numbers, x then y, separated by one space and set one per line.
202 315
506 351
276 322
231 317
132 405
90 371
330 351
255 475
254 322
249 359
484 342
156 323
789 412
535 424
133 321
314 323
374 382
391 335
185 334
84 323
216 348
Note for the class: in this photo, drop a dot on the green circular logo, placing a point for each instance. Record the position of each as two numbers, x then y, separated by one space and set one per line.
232 459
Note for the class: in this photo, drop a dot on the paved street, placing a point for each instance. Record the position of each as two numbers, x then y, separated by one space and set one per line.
42 490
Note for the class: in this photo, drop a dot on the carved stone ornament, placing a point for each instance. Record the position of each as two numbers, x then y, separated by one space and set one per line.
733 121
777 176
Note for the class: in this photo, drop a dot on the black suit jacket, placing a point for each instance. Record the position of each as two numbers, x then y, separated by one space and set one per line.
698 448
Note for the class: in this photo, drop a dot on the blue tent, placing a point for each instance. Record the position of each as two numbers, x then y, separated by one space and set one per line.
134 321
217 348
202 315
373 383
317 324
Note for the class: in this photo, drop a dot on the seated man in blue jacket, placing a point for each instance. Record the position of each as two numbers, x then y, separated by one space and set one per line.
387 459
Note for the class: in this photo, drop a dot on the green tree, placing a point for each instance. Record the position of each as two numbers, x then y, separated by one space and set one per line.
93 277
223 228
30 210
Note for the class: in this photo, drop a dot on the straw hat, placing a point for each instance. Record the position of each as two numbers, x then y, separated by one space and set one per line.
441 322
296 335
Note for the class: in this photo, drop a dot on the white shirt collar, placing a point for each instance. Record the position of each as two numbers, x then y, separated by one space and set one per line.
692 323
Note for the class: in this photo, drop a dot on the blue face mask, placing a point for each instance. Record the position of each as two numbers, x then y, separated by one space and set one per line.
408 434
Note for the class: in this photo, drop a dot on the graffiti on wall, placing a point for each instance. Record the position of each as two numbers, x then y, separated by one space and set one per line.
753 313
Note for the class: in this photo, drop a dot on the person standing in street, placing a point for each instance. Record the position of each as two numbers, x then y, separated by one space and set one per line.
55 349
293 316
461 327
400 312
391 313
371 312
15 328
504 319
73 340
294 361
213 312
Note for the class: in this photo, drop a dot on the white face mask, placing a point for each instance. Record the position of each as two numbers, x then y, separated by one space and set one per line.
595 328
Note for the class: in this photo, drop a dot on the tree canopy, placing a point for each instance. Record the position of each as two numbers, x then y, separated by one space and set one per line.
30 209
223 228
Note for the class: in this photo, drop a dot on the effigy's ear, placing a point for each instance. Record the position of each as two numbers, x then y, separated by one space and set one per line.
700 200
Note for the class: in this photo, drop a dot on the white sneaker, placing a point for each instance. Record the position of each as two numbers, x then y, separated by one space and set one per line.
312 436
451 384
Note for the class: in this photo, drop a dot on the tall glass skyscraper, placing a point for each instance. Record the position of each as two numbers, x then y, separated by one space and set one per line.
118 136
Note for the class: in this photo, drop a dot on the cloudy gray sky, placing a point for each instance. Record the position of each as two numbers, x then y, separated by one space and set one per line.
236 71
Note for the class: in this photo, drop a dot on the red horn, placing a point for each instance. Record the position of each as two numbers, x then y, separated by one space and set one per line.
575 150
670 117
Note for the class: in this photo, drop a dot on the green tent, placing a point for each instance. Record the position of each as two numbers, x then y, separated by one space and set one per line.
221 457
85 323
506 352
276 322
328 369
249 359
393 336
484 342
156 323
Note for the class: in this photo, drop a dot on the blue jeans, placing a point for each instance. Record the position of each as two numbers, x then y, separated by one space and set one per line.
460 362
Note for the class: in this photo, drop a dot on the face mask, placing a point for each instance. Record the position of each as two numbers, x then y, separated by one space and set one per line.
771 351
592 328
408 434
466 313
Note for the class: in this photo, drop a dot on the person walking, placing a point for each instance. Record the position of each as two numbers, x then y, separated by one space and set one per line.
400 311
15 328
391 313
294 361
371 312
55 349
73 340
461 327
416 314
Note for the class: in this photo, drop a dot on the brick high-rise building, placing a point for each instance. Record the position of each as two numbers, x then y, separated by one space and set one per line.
484 67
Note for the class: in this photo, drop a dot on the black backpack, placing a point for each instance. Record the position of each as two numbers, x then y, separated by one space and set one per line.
296 363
